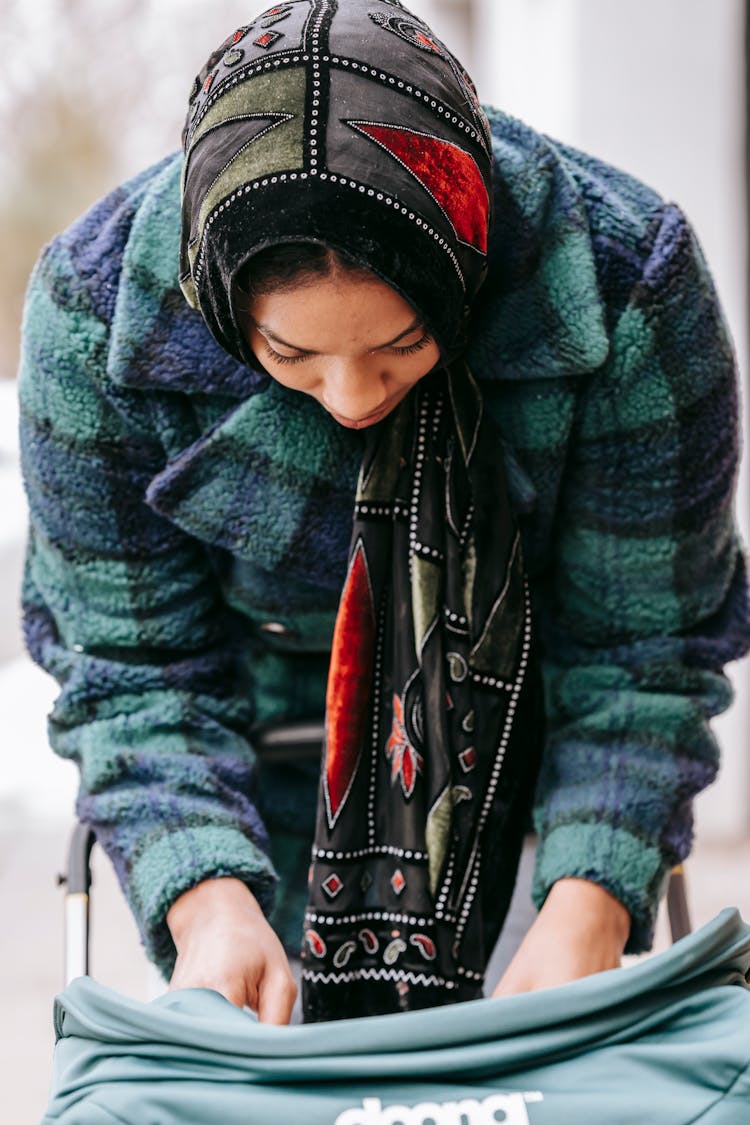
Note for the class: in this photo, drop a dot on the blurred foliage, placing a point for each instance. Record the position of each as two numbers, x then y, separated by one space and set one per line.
63 166
92 91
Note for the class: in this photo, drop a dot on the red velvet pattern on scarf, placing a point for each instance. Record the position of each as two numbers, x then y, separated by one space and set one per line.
450 175
350 684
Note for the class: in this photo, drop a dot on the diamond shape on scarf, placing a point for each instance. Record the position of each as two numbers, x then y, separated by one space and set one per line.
365 882
398 882
275 15
349 684
333 885
268 39
468 759
448 173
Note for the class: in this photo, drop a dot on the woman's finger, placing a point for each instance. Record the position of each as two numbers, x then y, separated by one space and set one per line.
277 994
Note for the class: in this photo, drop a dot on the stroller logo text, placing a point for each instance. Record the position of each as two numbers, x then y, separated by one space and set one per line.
509 1109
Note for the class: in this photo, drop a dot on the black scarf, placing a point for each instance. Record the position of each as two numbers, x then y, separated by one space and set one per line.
433 727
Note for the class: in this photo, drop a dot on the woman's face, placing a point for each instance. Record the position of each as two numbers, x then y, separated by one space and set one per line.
348 340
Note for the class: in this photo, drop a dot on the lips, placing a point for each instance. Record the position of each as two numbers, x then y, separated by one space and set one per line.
359 423
369 419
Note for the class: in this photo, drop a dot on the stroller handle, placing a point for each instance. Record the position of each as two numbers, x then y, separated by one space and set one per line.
77 899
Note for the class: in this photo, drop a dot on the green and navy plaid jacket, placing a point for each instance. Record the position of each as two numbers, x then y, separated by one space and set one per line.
180 506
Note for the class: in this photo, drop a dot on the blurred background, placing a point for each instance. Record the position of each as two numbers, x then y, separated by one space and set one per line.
92 91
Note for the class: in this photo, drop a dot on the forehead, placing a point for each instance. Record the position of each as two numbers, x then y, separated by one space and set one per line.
331 314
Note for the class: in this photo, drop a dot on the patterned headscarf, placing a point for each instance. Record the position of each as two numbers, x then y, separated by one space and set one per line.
349 124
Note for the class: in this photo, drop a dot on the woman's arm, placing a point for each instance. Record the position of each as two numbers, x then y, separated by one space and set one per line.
646 600
123 609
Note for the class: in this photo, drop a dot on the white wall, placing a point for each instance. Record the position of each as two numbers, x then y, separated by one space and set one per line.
452 21
656 87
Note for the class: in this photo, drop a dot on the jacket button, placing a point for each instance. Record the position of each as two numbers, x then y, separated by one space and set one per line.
276 628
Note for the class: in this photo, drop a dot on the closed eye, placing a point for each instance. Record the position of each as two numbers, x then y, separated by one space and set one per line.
277 357
411 348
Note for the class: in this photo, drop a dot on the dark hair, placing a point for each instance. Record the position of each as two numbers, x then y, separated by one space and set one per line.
288 264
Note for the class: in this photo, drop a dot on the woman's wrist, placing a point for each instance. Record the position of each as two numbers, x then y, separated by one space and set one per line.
209 899
592 904
581 929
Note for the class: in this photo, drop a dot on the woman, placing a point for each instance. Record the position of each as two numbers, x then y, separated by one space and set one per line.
448 406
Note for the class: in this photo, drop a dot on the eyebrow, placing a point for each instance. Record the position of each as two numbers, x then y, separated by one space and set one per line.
266 331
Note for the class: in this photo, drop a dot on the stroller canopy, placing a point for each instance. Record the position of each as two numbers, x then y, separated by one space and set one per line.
665 1040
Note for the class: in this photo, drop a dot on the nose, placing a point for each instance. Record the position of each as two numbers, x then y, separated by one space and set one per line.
353 388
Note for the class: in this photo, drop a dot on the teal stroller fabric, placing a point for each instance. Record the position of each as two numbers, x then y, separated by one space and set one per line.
666 1040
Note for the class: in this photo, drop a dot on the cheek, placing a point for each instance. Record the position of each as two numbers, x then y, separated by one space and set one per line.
413 368
296 378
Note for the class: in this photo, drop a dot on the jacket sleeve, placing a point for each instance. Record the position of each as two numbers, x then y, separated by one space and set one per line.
647 598
123 609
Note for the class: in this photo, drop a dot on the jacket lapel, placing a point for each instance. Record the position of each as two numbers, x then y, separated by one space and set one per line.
273 482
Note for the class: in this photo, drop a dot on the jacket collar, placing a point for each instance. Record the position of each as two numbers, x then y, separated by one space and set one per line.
157 341
273 482
540 314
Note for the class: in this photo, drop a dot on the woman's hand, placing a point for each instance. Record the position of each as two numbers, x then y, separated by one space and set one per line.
581 929
224 942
